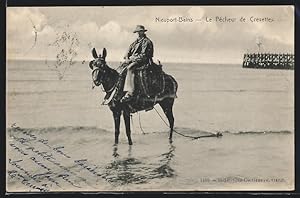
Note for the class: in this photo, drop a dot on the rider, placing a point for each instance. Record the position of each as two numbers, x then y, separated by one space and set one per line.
140 53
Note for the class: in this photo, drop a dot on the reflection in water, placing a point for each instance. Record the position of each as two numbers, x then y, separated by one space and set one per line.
165 170
115 151
130 170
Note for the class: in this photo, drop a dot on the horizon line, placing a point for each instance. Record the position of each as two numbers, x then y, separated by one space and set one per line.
192 62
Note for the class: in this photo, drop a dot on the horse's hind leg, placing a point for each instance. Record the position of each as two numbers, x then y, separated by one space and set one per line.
167 107
126 116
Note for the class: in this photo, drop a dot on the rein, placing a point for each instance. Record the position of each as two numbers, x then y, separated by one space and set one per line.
111 89
99 81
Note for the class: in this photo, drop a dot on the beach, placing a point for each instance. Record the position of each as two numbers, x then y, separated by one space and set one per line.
252 108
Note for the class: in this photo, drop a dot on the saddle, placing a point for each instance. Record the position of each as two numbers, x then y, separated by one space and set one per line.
148 81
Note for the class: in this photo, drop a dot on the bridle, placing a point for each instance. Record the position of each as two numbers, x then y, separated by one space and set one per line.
100 80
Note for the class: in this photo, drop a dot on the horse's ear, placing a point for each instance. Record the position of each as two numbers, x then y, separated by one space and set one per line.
94 53
104 53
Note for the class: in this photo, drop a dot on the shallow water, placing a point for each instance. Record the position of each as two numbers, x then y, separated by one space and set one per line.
253 108
210 97
224 163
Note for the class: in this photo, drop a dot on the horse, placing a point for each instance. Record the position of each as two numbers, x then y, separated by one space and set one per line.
109 78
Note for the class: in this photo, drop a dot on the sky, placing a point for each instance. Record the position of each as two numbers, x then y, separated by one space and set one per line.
176 41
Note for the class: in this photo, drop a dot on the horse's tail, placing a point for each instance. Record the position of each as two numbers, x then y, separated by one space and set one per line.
170 86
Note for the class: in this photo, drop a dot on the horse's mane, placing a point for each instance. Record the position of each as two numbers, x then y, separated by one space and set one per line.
111 75
112 72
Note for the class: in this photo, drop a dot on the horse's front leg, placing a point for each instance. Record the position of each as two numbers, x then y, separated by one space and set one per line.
117 115
126 116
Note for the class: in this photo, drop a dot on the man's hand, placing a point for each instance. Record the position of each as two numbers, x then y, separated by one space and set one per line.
127 61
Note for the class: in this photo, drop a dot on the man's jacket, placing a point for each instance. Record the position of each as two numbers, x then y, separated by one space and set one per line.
141 50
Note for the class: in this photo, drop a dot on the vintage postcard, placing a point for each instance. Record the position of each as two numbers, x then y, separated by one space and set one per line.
150 98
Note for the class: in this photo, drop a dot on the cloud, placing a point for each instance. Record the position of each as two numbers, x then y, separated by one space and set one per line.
113 34
20 22
21 34
112 27
21 27
110 35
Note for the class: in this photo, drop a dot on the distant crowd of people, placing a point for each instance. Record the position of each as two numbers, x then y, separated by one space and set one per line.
269 61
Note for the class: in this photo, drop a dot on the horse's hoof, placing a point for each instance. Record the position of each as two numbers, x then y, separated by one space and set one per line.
170 141
130 142
115 155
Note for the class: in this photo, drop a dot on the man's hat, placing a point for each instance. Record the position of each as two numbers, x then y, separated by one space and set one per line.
139 28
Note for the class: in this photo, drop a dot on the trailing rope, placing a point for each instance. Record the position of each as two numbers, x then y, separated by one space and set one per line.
141 124
218 134
142 130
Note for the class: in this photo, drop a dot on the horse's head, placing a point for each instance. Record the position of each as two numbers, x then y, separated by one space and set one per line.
99 60
99 66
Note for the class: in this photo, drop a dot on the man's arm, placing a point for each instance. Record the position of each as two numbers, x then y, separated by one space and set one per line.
126 56
128 53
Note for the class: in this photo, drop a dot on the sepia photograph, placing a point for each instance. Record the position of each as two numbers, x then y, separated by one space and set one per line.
150 98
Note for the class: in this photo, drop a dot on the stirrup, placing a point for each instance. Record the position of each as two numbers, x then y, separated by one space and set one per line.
126 98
